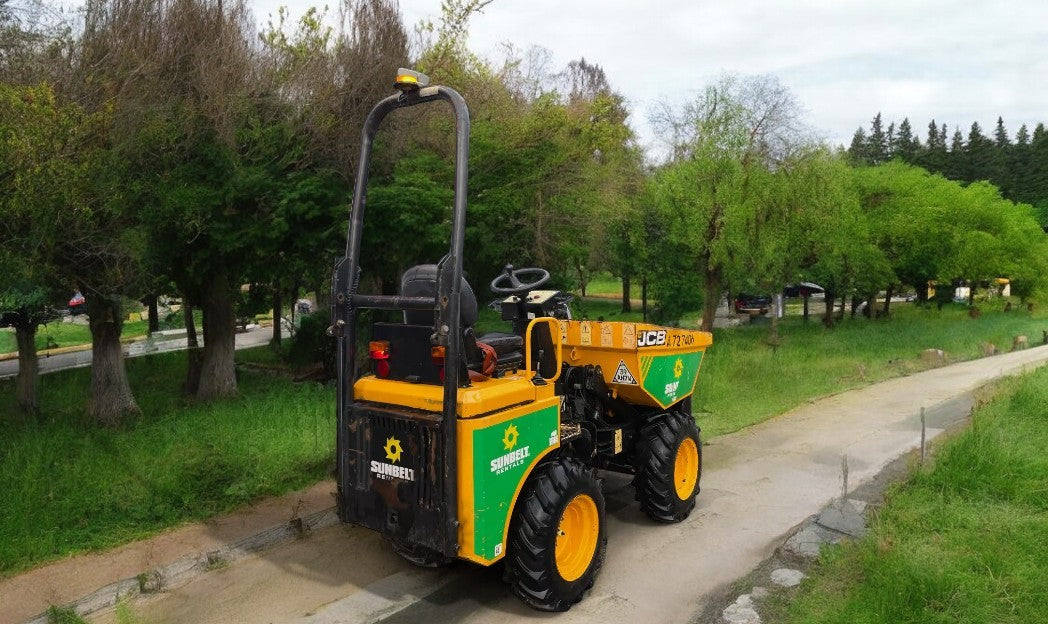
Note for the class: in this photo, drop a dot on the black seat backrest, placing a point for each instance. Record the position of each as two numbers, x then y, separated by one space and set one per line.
421 281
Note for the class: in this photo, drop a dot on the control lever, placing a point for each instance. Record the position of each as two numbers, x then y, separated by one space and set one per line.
538 380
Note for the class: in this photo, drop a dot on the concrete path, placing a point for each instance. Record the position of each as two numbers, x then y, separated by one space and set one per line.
757 485
253 337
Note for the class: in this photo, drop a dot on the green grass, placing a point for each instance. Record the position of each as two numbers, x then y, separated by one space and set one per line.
744 381
605 284
961 543
70 486
58 334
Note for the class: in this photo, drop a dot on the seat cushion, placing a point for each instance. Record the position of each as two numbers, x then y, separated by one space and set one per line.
509 348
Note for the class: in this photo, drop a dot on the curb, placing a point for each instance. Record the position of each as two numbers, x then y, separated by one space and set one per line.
190 567
124 340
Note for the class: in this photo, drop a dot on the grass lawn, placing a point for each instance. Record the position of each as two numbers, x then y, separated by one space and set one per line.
963 542
69 486
58 334
813 361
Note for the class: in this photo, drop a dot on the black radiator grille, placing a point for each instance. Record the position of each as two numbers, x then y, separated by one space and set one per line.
422 445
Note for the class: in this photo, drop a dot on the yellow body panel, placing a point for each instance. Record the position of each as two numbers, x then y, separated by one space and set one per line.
467 455
487 408
480 398
613 345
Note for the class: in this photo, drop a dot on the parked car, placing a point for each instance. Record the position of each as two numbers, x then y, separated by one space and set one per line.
802 289
752 304
77 305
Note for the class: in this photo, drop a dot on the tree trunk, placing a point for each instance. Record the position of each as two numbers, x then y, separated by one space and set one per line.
191 334
844 305
111 398
827 318
712 298
773 335
217 370
922 294
971 293
28 368
806 297
154 320
888 300
278 304
644 298
627 305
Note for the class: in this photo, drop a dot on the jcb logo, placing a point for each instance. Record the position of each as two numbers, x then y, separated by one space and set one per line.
651 338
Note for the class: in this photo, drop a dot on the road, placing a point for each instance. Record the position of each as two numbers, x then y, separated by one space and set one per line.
253 337
757 485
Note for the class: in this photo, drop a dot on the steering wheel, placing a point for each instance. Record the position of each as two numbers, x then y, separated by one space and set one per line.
515 281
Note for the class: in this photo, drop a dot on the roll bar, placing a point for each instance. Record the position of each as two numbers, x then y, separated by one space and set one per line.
446 304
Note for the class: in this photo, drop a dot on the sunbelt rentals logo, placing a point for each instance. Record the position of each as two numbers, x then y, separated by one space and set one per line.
515 457
387 471
671 388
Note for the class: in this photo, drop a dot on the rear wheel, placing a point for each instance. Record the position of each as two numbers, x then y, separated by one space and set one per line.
557 536
668 463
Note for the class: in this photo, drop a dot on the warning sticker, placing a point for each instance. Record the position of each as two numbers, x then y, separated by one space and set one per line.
623 375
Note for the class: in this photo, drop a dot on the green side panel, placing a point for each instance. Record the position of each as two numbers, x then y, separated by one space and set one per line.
501 456
669 378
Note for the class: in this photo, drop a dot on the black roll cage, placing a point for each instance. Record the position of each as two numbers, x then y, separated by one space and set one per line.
446 305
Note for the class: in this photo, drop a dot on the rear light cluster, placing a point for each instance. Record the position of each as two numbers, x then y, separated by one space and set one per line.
379 350
437 353
380 358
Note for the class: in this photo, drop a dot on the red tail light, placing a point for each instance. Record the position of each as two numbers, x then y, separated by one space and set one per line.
379 351
437 353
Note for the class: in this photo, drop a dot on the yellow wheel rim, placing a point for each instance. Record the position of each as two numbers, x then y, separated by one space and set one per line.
686 469
577 535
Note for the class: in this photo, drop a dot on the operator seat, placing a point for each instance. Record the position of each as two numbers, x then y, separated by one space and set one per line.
421 281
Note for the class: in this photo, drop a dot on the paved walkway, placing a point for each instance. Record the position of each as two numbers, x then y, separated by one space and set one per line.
757 485
253 337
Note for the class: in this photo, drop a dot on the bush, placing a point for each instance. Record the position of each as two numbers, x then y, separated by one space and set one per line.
311 344
675 286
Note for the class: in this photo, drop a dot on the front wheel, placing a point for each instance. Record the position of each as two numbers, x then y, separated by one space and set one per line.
557 536
668 465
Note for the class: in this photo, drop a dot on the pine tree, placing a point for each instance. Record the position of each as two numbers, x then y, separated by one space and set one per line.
934 141
933 157
1038 187
956 164
890 152
980 163
1000 135
1021 167
906 144
1000 171
1022 137
877 142
857 151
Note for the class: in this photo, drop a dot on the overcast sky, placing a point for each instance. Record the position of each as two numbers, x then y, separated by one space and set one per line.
957 61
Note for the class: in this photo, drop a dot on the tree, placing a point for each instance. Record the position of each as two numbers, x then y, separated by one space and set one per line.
906 144
858 151
726 142
25 305
934 155
61 173
877 144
